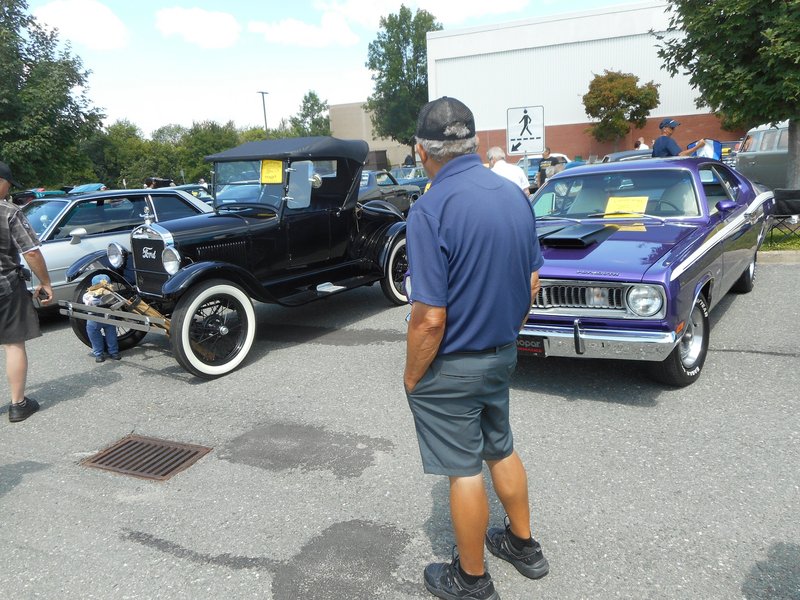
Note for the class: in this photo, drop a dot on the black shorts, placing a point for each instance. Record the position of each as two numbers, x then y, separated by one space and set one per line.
18 320
460 409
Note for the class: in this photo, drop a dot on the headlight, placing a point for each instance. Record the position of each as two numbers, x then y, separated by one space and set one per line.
116 255
171 259
645 300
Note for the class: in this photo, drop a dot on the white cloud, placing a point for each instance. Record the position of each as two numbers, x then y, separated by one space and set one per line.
85 22
204 28
367 13
333 30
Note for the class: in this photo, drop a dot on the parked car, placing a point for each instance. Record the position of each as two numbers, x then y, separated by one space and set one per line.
22 198
197 190
74 225
627 155
87 187
763 156
559 162
295 232
381 185
729 150
411 176
636 255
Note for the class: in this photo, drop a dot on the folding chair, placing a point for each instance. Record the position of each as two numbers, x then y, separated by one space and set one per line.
786 217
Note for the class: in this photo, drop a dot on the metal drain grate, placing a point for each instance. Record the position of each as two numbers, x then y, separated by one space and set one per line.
148 458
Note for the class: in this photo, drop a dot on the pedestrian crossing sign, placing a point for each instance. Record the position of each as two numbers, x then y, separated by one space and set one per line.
525 130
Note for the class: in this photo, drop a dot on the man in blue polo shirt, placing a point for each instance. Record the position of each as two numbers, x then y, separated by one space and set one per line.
473 263
665 146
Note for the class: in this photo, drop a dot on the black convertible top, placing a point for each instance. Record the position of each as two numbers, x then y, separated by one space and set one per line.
305 147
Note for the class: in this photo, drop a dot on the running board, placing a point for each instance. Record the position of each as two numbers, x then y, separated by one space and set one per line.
324 290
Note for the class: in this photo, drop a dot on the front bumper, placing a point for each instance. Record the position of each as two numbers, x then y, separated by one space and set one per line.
587 342
120 318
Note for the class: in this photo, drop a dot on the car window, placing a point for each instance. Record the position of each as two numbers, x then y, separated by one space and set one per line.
300 182
750 142
783 139
768 140
106 215
41 213
169 207
717 185
383 179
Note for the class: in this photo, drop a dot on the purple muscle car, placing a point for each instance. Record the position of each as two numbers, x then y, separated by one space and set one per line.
636 255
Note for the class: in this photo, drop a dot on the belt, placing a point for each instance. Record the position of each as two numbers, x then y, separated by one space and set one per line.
493 350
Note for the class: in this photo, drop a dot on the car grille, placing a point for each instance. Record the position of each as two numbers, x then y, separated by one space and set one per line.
580 296
146 253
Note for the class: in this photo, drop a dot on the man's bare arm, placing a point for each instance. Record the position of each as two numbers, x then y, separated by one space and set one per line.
425 333
36 262
535 287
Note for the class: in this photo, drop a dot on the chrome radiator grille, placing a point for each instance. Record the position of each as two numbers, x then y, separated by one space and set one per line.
580 296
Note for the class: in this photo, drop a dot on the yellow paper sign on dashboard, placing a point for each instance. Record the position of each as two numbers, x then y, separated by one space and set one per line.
625 206
271 171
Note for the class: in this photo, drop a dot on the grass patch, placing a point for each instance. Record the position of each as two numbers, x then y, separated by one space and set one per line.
782 241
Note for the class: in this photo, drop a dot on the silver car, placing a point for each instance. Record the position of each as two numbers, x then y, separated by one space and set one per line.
71 227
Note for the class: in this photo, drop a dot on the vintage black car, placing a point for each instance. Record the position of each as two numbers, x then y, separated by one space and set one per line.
287 229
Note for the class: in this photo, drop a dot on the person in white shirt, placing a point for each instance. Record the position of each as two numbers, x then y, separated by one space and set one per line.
498 164
640 145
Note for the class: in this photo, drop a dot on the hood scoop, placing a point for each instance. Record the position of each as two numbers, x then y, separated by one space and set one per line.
577 236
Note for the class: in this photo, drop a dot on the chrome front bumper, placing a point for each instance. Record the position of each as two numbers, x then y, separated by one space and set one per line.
585 342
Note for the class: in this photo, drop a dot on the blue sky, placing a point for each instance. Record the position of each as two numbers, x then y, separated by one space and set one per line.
155 63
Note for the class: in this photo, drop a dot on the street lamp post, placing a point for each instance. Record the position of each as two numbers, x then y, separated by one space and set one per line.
264 106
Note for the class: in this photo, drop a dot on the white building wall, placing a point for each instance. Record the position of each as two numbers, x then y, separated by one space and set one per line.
551 61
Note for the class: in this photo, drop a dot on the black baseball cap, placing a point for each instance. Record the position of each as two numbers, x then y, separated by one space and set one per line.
668 122
445 119
5 173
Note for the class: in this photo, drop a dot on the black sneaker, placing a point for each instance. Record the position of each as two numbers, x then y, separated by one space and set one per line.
99 359
444 581
23 410
116 357
529 561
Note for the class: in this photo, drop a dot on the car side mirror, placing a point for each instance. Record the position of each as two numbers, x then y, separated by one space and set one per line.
725 205
76 235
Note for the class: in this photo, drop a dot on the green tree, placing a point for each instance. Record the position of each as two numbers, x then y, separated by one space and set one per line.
43 119
743 58
398 59
312 119
618 102
201 140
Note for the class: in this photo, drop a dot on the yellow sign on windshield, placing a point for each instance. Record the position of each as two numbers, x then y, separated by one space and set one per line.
624 206
271 171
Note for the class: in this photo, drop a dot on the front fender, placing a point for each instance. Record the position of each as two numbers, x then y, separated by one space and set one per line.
395 231
196 272
93 261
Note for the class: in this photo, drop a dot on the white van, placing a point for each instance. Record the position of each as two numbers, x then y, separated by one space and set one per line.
763 156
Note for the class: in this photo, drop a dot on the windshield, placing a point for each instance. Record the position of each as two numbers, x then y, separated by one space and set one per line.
40 213
250 182
660 193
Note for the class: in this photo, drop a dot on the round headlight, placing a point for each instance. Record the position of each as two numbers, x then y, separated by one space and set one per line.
116 255
645 300
171 259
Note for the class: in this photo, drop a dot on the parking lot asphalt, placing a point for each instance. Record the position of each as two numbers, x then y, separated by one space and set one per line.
313 488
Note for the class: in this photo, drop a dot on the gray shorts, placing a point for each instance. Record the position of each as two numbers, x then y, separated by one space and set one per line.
460 409
18 320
